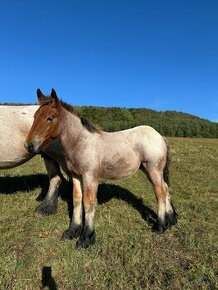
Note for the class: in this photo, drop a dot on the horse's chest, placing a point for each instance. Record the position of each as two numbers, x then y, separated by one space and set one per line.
73 166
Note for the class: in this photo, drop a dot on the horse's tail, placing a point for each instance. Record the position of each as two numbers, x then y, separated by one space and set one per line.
166 171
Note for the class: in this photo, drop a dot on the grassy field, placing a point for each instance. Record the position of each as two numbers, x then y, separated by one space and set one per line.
127 255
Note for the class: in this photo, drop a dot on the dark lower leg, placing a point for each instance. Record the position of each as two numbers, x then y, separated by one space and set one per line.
75 227
87 237
160 225
73 231
171 215
49 204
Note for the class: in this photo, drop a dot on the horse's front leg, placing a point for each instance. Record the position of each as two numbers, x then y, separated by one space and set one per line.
87 237
49 204
75 227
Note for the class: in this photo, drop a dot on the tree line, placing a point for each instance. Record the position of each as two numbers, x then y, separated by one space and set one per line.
167 123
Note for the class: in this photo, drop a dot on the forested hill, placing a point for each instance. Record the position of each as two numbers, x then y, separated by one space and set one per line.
168 123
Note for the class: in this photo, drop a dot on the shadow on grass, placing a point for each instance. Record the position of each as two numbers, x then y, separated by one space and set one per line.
26 183
12 184
106 192
47 280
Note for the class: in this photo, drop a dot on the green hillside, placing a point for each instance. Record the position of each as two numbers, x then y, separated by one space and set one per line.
168 123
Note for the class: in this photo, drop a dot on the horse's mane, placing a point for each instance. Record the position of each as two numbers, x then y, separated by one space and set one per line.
85 122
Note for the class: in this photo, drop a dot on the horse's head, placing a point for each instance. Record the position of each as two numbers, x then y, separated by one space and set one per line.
46 125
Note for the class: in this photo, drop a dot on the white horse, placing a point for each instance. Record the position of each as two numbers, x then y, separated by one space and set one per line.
15 123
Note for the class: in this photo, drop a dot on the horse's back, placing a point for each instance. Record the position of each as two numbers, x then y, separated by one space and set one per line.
15 122
140 136
14 113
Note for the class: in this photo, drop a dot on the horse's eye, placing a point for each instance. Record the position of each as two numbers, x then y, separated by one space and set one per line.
49 119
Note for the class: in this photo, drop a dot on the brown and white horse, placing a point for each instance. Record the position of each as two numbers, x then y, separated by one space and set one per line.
88 154
15 123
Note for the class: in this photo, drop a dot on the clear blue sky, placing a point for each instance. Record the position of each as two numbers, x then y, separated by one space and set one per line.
143 53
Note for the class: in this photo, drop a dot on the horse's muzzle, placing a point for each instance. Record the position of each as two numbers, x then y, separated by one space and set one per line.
31 147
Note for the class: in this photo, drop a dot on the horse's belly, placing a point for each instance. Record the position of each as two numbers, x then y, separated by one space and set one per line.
120 169
12 160
12 154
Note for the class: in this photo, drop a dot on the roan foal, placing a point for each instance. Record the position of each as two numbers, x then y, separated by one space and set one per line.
88 154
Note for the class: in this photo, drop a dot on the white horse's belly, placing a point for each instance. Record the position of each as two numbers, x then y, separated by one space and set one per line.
13 154
15 122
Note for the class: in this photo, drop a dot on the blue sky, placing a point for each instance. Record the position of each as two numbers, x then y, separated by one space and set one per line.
158 54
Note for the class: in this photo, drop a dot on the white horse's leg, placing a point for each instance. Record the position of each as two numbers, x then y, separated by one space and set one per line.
49 204
75 227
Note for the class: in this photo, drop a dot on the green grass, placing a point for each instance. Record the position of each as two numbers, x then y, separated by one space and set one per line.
127 255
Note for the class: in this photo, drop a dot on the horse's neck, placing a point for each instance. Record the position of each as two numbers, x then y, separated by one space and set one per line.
72 129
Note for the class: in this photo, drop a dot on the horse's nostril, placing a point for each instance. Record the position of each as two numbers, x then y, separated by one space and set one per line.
30 148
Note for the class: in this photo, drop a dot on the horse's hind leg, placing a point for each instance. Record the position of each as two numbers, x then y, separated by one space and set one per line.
171 215
49 203
166 214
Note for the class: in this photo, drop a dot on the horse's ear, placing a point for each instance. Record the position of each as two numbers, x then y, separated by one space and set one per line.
40 96
54 98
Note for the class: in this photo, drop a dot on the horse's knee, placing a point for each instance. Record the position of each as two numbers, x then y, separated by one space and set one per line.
52 193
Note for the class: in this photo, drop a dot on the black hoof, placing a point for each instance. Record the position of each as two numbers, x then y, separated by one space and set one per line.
158 228
86 239
46 208
171 219
73 232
